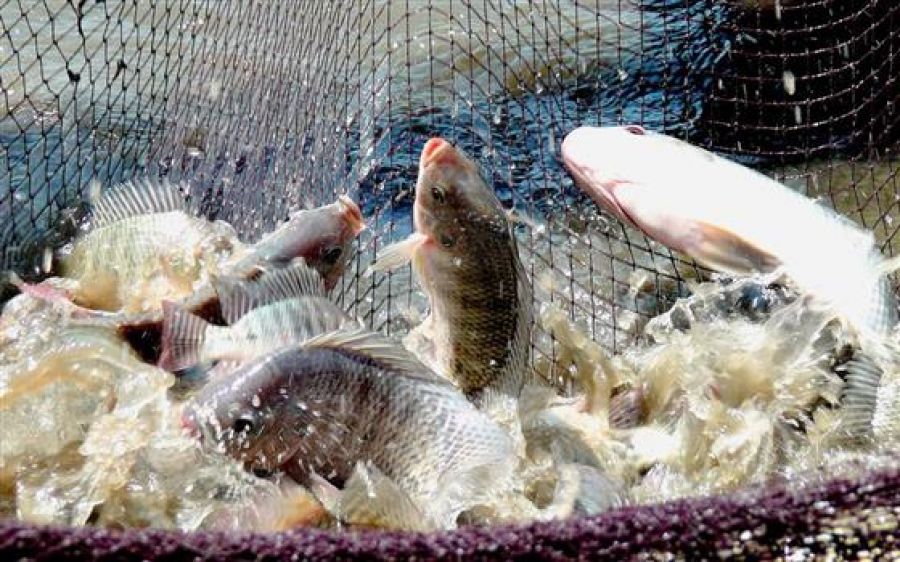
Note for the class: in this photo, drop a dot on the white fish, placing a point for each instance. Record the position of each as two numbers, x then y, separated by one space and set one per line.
733 219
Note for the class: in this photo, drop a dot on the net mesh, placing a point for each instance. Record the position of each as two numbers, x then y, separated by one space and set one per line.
268 107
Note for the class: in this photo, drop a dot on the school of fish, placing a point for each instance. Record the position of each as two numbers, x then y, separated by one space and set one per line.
173 375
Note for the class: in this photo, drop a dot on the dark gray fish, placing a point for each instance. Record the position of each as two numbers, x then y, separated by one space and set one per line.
465 257
320 408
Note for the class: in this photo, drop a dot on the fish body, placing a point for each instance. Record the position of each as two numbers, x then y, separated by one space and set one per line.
322 407
322 236
731 218
465 258
143 245
279 308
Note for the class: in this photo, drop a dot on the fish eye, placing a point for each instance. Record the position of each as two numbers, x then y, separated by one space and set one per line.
447 241
331 255
635 129
439 194
242 425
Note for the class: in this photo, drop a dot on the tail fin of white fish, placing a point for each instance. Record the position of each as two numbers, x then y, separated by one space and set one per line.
238 296
140 196
183 335
371 499
862 379
397 254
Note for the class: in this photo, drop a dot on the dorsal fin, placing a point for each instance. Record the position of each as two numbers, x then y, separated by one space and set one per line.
139 196
237 296
382 350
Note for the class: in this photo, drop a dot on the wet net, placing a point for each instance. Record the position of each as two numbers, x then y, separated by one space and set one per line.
266 107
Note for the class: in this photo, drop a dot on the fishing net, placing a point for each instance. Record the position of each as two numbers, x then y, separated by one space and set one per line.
268 107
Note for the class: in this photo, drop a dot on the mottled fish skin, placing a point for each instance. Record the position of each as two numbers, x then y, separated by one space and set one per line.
144 245
319 409
469 266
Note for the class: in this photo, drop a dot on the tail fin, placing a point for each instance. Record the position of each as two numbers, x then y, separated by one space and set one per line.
182 338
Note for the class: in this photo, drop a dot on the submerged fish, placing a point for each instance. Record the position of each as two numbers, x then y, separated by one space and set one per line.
465 258
279 308
143 245
320 408
732 219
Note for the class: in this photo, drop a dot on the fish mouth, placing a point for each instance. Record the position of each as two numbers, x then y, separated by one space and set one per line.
352 214
602 191
437 151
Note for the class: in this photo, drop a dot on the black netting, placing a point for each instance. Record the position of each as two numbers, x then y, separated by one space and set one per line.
269 106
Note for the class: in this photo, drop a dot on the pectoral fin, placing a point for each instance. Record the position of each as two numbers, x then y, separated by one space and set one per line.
725 251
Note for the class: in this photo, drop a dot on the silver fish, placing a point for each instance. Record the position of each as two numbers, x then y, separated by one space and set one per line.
279 308
321 407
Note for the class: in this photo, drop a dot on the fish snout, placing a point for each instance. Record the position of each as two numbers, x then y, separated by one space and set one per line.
352 214
576 149
438 151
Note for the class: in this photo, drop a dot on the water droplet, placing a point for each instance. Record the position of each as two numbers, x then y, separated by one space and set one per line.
798 114
790 85
47 262
255 401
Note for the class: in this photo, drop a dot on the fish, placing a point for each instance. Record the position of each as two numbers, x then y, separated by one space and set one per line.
465 258
143 244
279 308
323 236
732 219
320 407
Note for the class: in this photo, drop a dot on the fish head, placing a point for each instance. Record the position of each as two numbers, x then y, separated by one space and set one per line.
322 236
240 414
604 161
454 205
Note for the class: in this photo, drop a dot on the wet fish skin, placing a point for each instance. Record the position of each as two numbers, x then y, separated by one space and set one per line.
144 244
466 259
321 407
731 218
277 309
322 236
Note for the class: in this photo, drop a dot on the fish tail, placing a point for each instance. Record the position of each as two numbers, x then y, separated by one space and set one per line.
183 335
